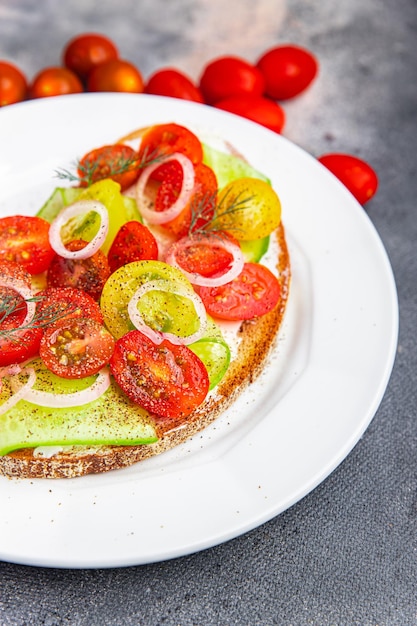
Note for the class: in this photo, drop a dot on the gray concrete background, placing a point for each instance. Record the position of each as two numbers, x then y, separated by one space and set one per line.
347 553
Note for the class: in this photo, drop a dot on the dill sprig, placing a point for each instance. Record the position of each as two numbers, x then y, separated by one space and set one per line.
44 316
90 171
221 218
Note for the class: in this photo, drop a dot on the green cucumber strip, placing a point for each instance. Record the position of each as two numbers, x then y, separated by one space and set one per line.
121 209
60 198
110 420
228 167
254 249
215 354
213 351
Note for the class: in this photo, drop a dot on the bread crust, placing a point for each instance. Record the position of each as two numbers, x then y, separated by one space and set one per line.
257 338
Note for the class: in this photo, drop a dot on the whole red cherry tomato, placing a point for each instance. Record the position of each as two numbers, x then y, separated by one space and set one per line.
170 82
256 108
357 175
86 51
230 76
13 84
55 81
287 70
115 75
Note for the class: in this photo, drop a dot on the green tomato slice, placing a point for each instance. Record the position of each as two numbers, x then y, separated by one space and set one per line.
164 311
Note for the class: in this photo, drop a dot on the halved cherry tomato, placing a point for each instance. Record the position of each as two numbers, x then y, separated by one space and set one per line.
118 162
115 75
165 139
19 347
86 51
255 292
87 274
15 347
55 81
357 175
59 303
229 76
13 84
203 253
25 240
173 83
133 242
287 71
166 379
201 207
262 110
76 347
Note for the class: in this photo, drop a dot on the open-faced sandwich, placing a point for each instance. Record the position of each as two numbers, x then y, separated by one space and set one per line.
136 305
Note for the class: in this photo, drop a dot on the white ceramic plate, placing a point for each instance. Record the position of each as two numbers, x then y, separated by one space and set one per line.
296 424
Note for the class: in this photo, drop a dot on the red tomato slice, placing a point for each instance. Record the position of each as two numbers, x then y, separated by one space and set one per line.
253 293
25 240
170 82
118 162
15 347
200 209
133 242
204 254
59 303
166 379
76 347
87 274
165 139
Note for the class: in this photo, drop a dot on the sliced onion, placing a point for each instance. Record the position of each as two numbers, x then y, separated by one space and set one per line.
67 400
21 392
161 217
158 336
234 270
25 292
78 208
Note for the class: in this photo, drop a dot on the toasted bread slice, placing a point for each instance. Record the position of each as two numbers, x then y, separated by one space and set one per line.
256 339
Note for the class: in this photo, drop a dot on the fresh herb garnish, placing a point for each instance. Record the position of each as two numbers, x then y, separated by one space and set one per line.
44 316
90 171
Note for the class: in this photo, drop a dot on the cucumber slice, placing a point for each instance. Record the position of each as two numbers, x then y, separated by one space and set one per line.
228 167
215 354
110 420
254 249
60 198
121 209
213 350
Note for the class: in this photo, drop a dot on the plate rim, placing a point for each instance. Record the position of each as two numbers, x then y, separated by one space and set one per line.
223 119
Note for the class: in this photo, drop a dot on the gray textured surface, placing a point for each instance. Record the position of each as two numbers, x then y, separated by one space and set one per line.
347 553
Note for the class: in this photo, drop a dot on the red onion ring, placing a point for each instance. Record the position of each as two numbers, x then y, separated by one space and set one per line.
78 208
161 217
58 400
158 336
208 281
21 392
